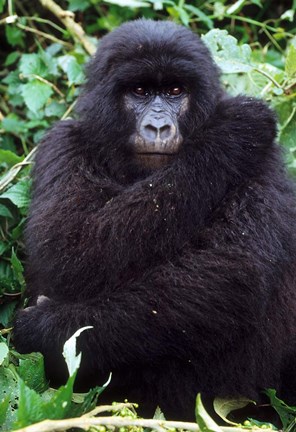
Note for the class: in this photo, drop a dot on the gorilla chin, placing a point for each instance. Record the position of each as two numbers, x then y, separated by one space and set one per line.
154 161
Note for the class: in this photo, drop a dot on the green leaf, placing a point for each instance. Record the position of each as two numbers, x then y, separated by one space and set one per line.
3 352
6 312
158 415
290 66
30 408
72 68
2 4
13 124
17 268
3 410
9 157
128 3
4 212
31 370
8 388
69 352
204 421
288 15
78 5
225 406
11 58
287 413
32 64
55 109
236 7
230 57
14 35
183 15
201 15
36 94
19 194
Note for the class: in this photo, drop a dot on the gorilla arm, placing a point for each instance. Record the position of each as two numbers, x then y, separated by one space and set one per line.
218 294
80 243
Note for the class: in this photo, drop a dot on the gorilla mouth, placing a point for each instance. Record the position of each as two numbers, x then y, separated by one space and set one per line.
160 154
154 160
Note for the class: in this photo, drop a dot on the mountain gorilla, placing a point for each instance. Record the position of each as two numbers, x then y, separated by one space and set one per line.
164 218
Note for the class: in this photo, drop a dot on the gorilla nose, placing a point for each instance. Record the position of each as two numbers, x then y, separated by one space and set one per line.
158 129
152 132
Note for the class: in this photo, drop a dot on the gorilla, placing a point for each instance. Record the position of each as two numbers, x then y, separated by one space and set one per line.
163 217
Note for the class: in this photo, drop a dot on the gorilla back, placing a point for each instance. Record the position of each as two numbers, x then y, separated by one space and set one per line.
163 217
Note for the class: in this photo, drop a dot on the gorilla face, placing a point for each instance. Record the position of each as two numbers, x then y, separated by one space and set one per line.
157 110
147 96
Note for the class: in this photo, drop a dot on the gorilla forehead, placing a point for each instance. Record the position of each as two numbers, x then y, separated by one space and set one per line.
146 49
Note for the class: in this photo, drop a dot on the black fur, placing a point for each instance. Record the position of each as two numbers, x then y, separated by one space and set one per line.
187 273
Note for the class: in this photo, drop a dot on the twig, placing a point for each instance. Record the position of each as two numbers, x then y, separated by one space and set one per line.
13 172
115 422
67 18
50 84
43 34
110 408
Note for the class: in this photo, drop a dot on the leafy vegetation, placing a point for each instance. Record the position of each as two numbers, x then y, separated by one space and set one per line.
44 47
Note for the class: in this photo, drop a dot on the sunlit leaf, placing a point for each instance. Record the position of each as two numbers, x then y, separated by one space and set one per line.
36 94
69 352
223 407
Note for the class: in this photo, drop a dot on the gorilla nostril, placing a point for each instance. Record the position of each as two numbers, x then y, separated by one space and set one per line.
165 132
150 132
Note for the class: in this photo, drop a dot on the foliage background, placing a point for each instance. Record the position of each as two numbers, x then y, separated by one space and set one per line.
43 49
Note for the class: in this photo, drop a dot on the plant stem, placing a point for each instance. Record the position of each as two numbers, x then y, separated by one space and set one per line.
67 18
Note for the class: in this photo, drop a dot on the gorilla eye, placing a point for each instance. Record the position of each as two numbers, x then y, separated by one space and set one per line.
140 91
174 91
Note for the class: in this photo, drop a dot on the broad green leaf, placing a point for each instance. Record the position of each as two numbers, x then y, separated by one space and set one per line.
19 194
8 387
230 57
36 94
30 407
287 413
290 66
32 64
3 352
69 352
55 109
3 410
31 370
9 157
203 420
225 406
13 124
72 68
